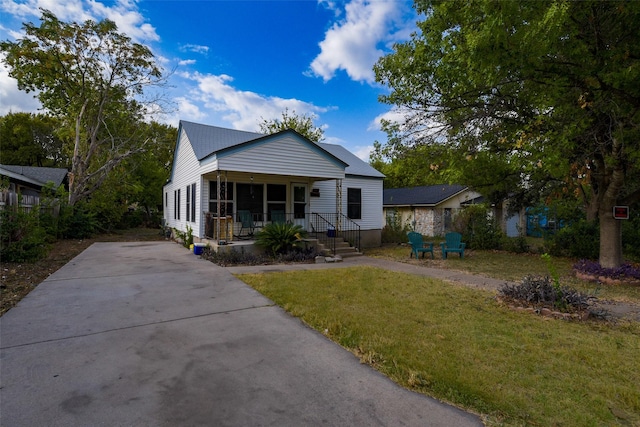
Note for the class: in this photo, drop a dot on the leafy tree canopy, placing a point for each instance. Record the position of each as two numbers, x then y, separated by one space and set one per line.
303 124
543 92
92 78
31 140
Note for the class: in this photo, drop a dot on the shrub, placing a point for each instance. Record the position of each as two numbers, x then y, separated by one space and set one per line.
518 244
593 268
479 228
394 231
185 236
229 258
631 235
232 257
578 240
22 239
537 290
78 222
280 238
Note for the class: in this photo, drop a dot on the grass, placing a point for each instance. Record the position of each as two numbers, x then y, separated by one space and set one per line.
459 345
512 267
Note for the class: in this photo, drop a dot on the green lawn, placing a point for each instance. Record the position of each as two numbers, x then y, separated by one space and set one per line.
460 345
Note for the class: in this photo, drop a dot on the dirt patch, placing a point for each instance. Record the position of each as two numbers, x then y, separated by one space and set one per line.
18 279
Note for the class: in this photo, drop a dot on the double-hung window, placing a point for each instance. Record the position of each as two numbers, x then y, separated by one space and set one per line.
354 203
191 202
176 204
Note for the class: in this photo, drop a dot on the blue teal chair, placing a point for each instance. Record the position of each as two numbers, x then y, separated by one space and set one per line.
452 243
418 246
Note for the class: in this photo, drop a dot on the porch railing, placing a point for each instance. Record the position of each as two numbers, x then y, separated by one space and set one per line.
329 227
326 227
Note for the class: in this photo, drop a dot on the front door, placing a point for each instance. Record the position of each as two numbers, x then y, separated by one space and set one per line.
300 205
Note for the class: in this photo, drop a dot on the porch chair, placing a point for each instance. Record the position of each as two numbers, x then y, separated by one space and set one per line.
278 217
246 221
452 243
417 245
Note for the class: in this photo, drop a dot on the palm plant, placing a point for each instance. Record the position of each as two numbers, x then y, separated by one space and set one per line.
280 238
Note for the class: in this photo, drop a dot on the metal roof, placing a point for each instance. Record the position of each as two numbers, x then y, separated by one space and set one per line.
207 140
357 166
430 195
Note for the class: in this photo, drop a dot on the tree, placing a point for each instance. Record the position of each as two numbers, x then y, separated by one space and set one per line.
546 89
92 78
303 124
31 140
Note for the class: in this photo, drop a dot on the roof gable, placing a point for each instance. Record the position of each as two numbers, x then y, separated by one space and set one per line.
208 140
429 195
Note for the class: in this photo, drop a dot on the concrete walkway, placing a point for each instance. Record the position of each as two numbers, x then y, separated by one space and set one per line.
147 334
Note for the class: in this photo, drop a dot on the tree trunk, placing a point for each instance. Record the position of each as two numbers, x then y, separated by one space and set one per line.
610 238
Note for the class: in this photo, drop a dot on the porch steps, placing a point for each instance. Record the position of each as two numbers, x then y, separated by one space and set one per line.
342 248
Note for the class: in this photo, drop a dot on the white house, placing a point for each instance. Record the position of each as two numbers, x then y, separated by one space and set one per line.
225 184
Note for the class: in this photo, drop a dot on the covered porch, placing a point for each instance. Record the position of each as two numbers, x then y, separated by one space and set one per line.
236 206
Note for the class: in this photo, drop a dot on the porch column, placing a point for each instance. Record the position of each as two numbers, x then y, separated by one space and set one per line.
338 205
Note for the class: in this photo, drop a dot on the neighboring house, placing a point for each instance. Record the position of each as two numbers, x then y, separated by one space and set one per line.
23 184
428 210
218 175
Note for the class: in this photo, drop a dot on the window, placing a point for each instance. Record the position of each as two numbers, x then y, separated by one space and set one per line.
276 199
226 198
176 204
191 203
166 200
188 203
354 203
250 197
299 201
447 219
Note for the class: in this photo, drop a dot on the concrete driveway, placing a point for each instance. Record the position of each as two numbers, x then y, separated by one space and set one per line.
147 334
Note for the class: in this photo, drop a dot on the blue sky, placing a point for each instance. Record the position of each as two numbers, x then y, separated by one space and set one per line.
234 63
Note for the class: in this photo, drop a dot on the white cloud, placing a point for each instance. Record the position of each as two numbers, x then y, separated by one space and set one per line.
187 62
351 44
124 13
394 115
12 99
244 110
363 152
188 111
194 48
128 19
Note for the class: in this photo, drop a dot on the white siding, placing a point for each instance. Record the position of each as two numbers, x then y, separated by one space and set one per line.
372 215
326 203
186 171
286 156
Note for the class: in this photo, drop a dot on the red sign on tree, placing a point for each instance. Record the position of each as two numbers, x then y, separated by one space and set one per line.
621 212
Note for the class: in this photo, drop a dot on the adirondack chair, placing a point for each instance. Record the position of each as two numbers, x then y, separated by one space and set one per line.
417 245
452 243
246 221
